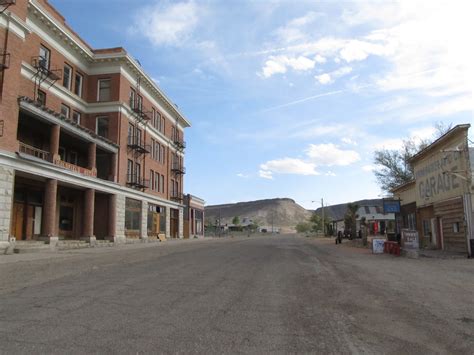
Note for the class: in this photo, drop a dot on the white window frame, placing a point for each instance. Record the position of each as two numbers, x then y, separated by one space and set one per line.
67 109
79 75
68 86
98 89
97 125
76 114
47 58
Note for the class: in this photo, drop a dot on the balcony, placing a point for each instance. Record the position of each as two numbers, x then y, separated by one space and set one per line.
176 196
137 182
137 145
41 66
4 60
35 152
178 168
180 144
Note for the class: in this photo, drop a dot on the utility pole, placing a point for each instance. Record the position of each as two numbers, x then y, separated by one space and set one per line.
322 213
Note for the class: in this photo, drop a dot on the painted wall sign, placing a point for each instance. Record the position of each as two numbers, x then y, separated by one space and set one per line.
434 182
410 239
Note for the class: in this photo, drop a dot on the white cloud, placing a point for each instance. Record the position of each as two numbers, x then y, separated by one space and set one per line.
166 24
265 174
280 64
289 166
328 78
330 154
320 59
323 78
244 176
389 143
294 31
349 141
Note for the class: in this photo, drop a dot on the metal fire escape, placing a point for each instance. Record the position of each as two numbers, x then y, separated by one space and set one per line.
136 143
5 4
43 73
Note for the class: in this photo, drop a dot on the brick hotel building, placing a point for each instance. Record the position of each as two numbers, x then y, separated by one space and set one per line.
90 147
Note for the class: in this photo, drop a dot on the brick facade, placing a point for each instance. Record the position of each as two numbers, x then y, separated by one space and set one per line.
65 132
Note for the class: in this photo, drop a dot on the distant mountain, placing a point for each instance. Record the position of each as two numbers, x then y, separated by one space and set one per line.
284 212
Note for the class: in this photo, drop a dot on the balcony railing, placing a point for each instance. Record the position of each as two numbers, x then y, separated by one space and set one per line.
75 168
4 60
176 196
138 145
136 181
178 168
35 152
42 66
180 144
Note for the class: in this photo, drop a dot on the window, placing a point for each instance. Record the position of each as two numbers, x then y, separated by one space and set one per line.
162 127
76 117
162 153
152 175
153 117
157 149
153 149
139 103
103 91
130 134
129 170
45 57
67 76
78 81
137 172
41 97
138 138
426 228
157 182
132 99
456 227
162 183
132 214
65 110
102 126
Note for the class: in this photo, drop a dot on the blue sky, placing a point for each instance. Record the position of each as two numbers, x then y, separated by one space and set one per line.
291 98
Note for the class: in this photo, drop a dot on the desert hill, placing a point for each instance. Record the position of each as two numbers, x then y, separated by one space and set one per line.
284 212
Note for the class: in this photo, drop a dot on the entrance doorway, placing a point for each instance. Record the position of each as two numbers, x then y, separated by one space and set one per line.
27 209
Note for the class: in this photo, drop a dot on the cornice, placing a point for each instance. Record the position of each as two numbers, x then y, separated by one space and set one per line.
94 58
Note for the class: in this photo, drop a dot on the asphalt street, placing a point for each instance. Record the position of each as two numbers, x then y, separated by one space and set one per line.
273 294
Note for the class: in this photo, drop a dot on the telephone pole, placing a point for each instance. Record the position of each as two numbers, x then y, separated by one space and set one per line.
322 214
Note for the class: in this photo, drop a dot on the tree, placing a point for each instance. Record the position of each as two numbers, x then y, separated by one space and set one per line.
316 222
236 221
303 227
393 168
350 218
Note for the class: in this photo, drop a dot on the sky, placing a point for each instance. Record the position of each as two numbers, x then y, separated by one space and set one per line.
292 98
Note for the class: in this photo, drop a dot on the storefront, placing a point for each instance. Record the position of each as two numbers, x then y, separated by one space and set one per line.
442 193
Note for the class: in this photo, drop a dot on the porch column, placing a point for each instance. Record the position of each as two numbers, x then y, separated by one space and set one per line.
49 214
88 216
180 223
144 224
168 222
54 142
92 157
113 167
112 225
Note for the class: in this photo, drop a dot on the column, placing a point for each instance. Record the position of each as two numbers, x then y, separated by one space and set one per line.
112 225
119 215
113 167
88 216
168 222
54 142
92 156
180 223
6 201
49 212
144 224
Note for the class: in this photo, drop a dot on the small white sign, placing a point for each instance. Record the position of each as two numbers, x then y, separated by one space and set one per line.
377 246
